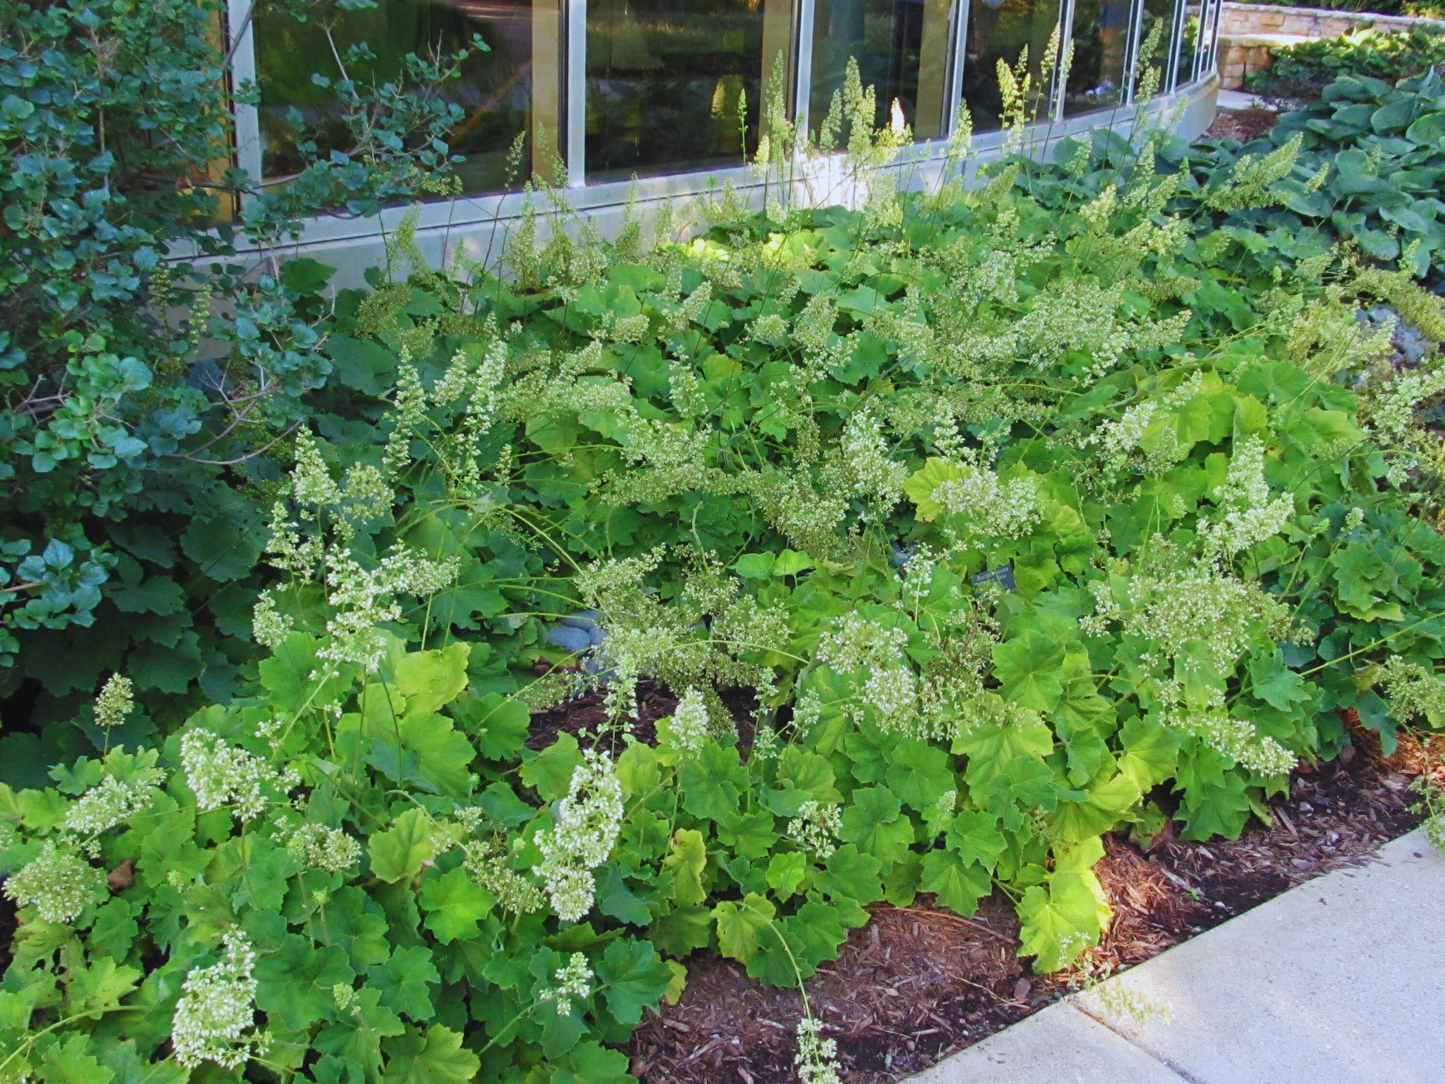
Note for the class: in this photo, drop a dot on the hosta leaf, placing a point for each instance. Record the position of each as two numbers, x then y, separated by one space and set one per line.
959 885
435 1056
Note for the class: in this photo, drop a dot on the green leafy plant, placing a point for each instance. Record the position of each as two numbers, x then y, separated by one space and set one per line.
1028 513
1303 70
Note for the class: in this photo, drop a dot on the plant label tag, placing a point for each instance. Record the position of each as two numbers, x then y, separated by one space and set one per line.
1003 576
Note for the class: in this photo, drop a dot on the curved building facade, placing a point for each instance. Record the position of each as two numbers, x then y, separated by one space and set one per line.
651 99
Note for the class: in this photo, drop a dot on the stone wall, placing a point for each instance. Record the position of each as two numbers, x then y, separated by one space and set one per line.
1247 32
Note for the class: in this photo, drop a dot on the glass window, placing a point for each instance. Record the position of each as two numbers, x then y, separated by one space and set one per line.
675 85
1188 41
508 91
1100 38
1001 30
1158 28
901 47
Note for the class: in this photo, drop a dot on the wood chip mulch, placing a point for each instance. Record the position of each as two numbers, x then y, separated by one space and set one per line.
1241 124
917 984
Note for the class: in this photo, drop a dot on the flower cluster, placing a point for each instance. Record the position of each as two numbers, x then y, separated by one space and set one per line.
111 802
269 626
221 774
988 506
585 826
1238 740
217 1005
874 475
366 598
1250 515
816 1059
1413 690
689 726
58 884
574 980
114 702
816 828
486 866
317 847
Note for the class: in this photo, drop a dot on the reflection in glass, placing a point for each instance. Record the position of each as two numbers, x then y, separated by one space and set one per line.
1000 30
675 85
1158 27
901 47
1188 40
1096 76
504 92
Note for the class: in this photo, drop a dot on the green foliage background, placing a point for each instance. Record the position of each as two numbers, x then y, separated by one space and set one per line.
726 453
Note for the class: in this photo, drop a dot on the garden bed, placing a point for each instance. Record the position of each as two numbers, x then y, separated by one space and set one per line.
919 983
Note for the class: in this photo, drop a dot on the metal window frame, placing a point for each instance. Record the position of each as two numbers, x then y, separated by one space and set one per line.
241 36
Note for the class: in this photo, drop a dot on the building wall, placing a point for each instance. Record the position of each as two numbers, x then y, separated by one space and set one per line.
586 76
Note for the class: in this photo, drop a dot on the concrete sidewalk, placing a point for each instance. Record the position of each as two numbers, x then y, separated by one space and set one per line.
1338 981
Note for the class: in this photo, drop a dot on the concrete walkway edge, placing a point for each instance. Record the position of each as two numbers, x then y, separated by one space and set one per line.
1336 981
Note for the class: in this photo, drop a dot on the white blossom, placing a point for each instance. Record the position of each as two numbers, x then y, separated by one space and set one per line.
574 980
217 1006
318 847
220 774
816 1060
114 702
689 724
58 884
585 827
816 828
111 802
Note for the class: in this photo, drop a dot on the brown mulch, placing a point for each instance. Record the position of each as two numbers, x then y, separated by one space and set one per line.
917 984
1241 124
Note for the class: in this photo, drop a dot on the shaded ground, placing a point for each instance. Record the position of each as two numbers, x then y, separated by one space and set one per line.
919 983
1241 124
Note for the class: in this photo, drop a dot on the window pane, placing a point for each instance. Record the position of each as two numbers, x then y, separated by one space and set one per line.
1096 76
1187 41
504 92
901 47
675 85
1000 30
1158 20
